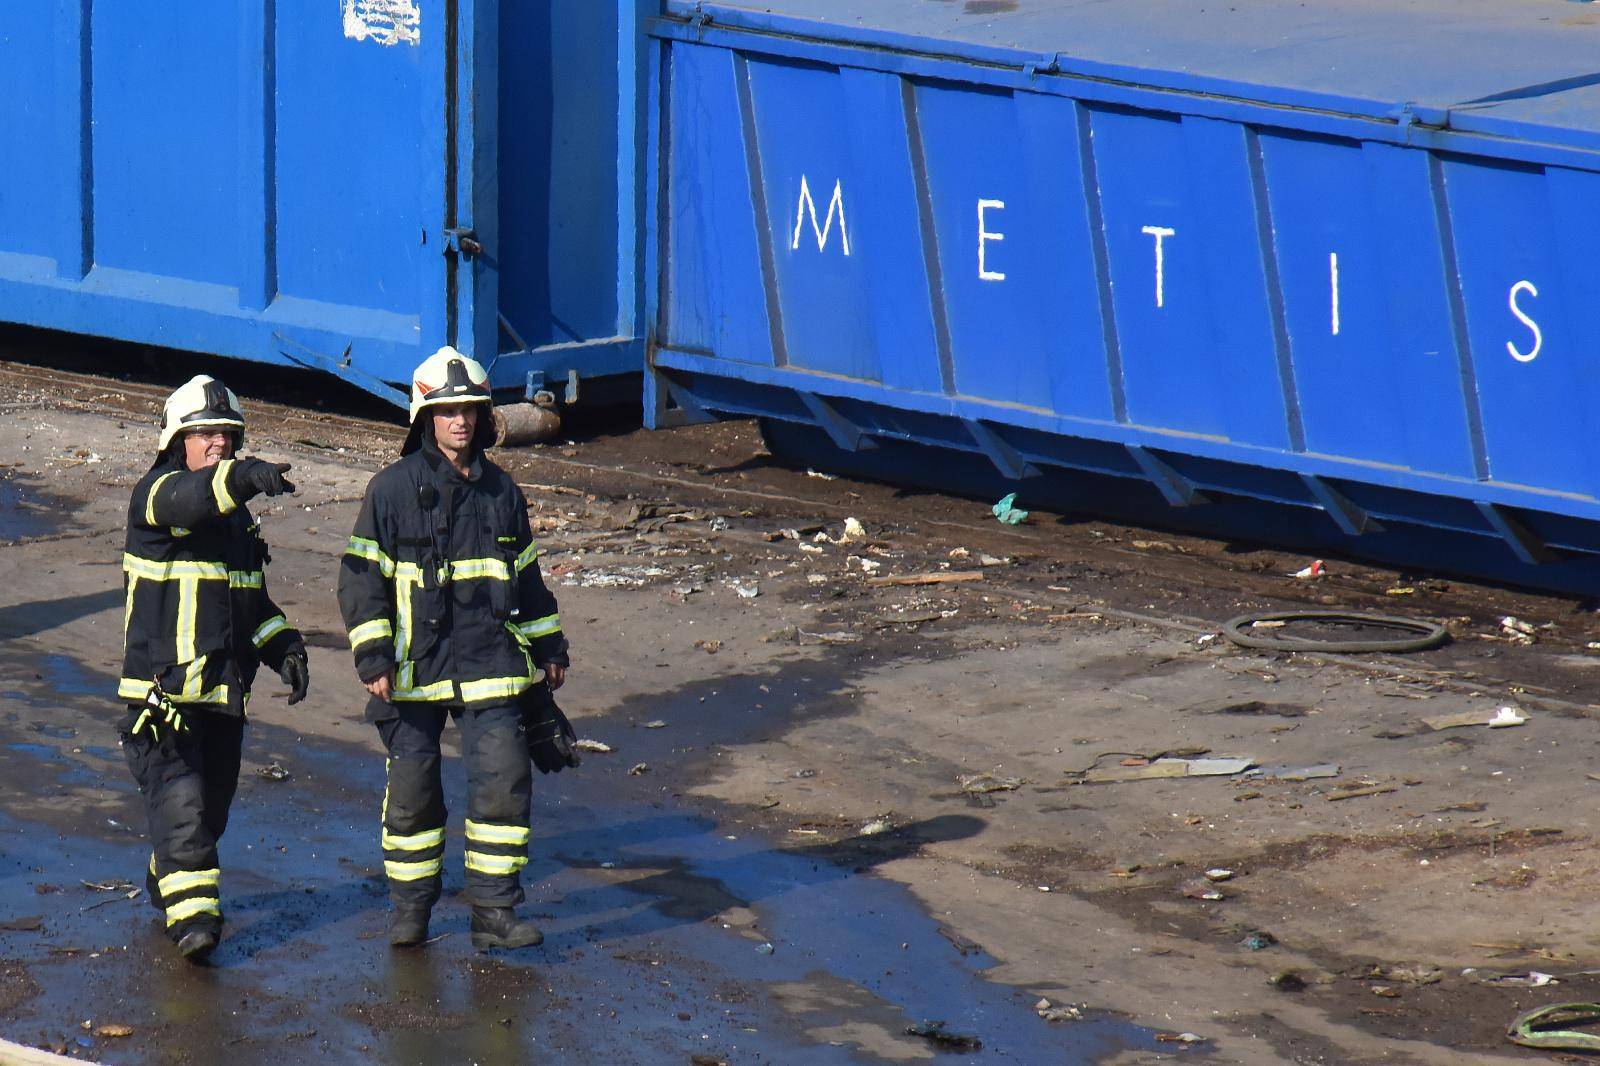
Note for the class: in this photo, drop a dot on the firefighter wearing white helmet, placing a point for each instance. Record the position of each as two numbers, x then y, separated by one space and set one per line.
199 626
449 618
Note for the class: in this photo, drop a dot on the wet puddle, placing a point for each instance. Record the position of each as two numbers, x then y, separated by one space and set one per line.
668 934
26 512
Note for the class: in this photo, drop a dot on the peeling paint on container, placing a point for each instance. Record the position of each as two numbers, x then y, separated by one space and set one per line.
385 21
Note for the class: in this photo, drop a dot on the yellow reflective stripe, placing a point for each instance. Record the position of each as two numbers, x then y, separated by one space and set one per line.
184 880
150 498
529 554
439 690
363 548
245 579
412 871
428 838
405 575
479 862
127 608
191 907
191 679
188 607
367 632
178 570
131 688
468 569
489 833
540 627
219 487
269 629
493 687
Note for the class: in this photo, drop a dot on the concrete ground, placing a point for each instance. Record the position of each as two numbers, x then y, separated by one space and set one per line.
793 759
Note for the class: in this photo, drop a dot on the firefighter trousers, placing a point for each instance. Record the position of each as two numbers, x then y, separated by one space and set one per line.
188 779
499 785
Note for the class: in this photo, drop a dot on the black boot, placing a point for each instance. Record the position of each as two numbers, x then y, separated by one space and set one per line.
197 944
497 927
408 926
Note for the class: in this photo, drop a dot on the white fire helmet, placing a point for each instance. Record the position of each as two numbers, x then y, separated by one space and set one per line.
447 376
201 401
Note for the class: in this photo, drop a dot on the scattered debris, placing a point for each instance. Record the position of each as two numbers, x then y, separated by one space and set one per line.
1359 792
765 948
1161 768
959 942
1531 979
1200 888
710 647
821 476
1179 1038
993 560
1414 974
1517 631
938 577
1294 773
977 784
118 885
1258 940
638 769
31 924
876 826
1052 1012
936 1032
1219 873
746 592
1287 981
1008 513
655 724
272 772
596 746
1553 1027
619 577
1156 545
1317 569
1496 719
113 1031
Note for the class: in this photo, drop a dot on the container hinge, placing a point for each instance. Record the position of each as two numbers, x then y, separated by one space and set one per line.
463 241
699 19
1050 64
1406 118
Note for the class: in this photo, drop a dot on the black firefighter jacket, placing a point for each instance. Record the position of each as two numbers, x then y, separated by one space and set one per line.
198 618
441 582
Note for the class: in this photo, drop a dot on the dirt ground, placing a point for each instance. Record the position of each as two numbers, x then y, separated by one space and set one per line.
732 647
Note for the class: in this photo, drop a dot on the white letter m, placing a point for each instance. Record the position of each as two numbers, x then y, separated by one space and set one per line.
808 207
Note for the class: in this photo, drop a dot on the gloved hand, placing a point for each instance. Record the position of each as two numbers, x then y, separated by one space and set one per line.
158 712
550 735
296 673
250 478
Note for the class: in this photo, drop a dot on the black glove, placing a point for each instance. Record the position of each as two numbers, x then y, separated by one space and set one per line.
550 735
250 478
296 674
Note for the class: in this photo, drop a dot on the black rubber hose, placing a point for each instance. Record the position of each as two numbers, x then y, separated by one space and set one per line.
1419 635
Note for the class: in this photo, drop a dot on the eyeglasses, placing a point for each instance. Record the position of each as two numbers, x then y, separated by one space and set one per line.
210 434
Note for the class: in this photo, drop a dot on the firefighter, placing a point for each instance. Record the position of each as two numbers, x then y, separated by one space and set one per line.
199 623
448 617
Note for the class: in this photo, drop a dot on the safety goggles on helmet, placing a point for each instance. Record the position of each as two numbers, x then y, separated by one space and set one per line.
447 376
201 402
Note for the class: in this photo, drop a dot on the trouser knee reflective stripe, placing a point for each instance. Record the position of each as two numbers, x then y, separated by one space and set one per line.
413 807
499 784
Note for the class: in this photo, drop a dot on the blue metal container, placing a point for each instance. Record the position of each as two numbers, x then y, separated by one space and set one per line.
1249 256
345 185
